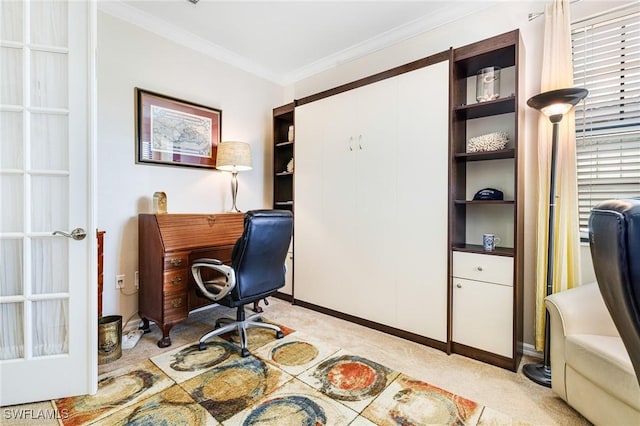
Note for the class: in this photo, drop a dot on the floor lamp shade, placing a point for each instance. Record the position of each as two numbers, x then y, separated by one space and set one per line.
234 157
553 104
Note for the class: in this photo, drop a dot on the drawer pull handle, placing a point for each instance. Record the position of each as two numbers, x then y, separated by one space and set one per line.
459 285
176 280
479 268
176 262
176 303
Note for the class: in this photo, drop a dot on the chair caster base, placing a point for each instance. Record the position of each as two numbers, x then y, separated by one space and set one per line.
279 335
245 352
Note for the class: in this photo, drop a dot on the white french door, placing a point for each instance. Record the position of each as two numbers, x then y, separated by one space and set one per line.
48 327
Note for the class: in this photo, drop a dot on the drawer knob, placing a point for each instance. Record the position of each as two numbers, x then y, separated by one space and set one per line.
176 262
479 268
176 280
176 303
459 285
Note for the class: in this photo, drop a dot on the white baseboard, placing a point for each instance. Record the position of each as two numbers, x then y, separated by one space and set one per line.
131 325
530 350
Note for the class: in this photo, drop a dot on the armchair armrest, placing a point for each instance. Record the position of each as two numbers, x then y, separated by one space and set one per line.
214 289
581 310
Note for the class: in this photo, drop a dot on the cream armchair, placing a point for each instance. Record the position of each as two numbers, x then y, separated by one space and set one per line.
590 367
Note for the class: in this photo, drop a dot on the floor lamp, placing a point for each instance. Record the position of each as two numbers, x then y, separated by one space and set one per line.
554 104
234 157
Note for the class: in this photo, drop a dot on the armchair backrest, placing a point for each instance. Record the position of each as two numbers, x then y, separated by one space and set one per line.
258 256
614 237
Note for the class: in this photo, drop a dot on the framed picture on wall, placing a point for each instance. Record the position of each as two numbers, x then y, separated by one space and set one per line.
174 132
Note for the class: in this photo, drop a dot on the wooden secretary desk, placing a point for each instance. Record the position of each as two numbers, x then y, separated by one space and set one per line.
167 246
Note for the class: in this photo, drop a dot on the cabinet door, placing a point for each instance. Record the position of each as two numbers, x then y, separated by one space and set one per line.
374 258
422 182
339 216
379 163
483 316
309 237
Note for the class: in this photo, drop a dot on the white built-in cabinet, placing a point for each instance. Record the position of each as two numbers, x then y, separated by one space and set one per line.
371 202
483 302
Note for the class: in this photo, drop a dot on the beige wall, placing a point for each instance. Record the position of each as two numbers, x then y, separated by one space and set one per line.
130 57
504 17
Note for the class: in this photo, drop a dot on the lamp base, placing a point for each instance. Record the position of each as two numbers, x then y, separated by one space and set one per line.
538 373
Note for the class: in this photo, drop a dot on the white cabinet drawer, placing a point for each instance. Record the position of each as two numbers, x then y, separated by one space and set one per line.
482 267
483 316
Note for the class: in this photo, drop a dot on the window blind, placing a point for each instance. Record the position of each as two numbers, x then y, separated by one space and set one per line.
606 61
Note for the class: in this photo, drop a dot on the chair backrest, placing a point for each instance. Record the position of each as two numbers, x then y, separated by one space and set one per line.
614 237
259 255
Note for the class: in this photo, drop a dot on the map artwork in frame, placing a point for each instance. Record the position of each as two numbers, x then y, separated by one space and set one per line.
174 132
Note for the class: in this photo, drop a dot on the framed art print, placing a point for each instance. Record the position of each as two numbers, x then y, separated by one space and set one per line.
174 132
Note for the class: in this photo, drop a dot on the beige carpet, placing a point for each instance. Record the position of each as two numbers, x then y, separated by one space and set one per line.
501 390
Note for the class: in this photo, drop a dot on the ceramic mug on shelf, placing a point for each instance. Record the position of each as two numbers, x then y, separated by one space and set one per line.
489 242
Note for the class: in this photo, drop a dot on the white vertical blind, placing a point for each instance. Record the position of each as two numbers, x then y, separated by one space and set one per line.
606 60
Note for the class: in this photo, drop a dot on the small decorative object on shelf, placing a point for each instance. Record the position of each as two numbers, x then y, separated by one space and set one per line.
290 134
290 166
489 242
159 203
489 194
488 84
489 142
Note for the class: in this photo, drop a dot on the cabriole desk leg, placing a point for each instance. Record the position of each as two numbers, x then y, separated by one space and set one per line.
166 340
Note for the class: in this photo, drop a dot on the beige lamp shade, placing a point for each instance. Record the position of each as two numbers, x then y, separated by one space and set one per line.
234 156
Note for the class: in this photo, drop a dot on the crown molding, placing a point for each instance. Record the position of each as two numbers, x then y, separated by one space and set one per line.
396 35
178 35
454 11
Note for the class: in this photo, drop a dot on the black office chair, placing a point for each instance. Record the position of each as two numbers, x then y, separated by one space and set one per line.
257 270
614 237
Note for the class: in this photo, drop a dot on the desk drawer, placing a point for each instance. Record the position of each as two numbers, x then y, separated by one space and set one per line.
175 281
175 307
482 267
176 260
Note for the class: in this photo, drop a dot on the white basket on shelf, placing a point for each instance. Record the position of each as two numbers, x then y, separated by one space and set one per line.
489 142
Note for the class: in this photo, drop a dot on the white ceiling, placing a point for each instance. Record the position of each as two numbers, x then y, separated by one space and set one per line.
285 41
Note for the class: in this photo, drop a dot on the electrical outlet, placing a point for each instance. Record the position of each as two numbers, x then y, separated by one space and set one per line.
137 279
120 281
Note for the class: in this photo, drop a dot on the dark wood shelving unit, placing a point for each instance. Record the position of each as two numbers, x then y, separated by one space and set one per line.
283 153
283 179
469 219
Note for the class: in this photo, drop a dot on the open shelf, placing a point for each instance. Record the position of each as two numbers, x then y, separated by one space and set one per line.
486 109
283 153
486 155
485 202
475 248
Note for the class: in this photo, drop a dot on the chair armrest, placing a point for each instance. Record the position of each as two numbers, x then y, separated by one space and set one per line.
581 311
216 290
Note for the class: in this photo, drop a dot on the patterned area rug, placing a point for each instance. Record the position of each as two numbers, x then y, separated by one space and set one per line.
291 381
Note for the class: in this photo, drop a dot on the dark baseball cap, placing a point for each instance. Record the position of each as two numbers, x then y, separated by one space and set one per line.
489 194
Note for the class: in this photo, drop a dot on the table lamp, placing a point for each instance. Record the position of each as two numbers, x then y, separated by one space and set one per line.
234 157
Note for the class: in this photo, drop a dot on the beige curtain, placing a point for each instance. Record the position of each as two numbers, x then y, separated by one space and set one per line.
557 73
